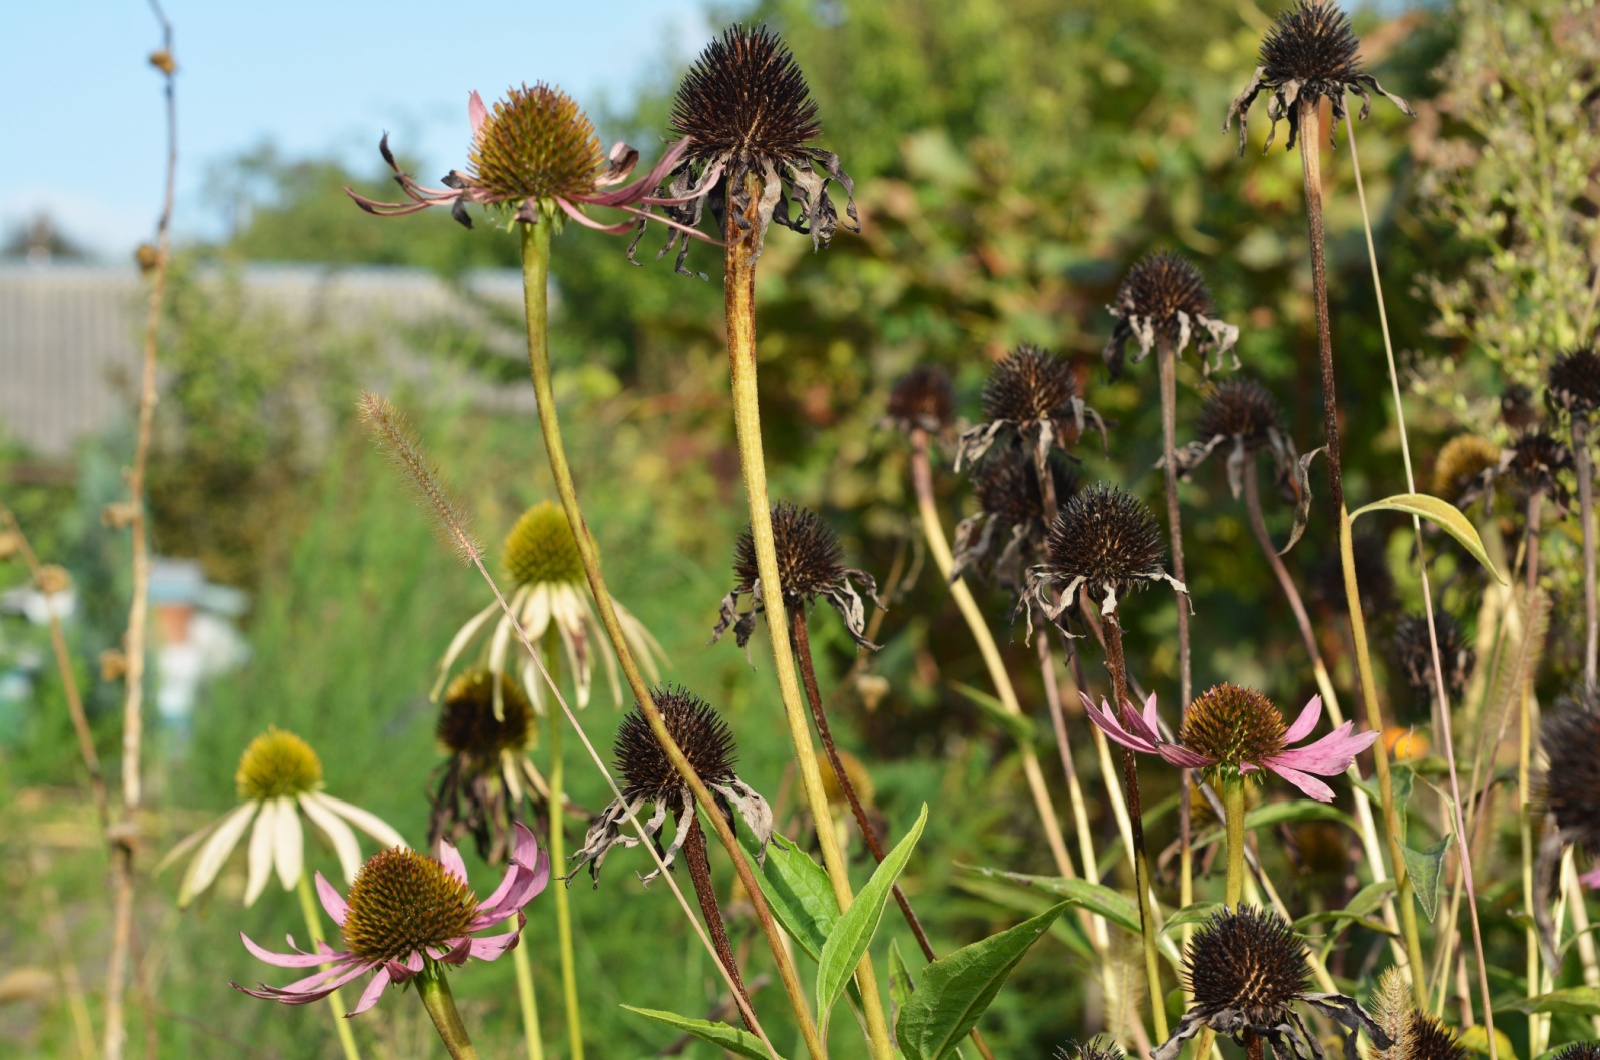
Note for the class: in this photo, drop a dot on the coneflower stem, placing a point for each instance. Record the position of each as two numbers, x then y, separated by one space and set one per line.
1525 812
308 907
1233 821
558 856
1116 663
535 282
434 990
694 855
1585 469
739 294
977 624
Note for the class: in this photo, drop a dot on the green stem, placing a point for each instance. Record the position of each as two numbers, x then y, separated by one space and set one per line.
535 282
434 990
308 906
558 856
739 292
527 1001
1233 819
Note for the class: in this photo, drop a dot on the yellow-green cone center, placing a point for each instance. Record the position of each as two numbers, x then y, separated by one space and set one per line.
541 548
277 763
467 724
403 902
535 144
1233 725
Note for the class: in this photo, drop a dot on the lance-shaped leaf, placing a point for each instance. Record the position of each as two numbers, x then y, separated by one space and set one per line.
798 892
1425 867
1114 906
1016 726
736 1041
1442 514
1573 1001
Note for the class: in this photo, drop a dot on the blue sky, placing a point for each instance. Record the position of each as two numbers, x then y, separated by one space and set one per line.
82 128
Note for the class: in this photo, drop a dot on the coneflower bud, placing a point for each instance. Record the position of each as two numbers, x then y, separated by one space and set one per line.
275 764
1164 299
1232 725
1096 1049
403 902
1571 740
540 547
1460 470
922 400
534 145
467 724
1413 651
697 729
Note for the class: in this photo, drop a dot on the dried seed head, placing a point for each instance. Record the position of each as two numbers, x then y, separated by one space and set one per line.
1096 1049
275 764
540 547
1006 486
1537 458
1163 287
698 730
1414 653
1580 1051
1425 1038
922 399
1313 45
1517 410
1240 408
1107 538
403 902
1030 384
534 144
1248 962
467 724
1233 725
1461 465
1575 383
810 557
746 97
1571 739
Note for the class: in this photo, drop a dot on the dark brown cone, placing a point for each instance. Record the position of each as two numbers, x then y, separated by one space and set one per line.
1030 384
1580 1051
698 730
1240 408
746 97
1107 538
1414 653
1570 736
1425 1038
810 557
1006 486
1575 383
1314 45
1249 962
1096 1049
1159 287
923 399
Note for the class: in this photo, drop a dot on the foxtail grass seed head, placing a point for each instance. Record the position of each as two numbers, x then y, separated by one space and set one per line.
810 564
1464 467
648 777
1233 725
1310 54
488 778
1570 736
1574 388
1095 1049
1413 651
1032 398
1007 533
540 547
746 114
1164 299
397 440
1247 971
922 399
276 764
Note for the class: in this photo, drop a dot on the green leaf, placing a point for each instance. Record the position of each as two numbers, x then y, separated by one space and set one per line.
1442 514
855 927
798 892
1424 867
1573 1001
1401 782
956 990
1114 906
1029 902
900 982
1295 811
1369 898
1477 1039
737 1041
1198 913
1016 726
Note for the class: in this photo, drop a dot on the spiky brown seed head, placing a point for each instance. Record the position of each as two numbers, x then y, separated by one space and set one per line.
1248 962
540 547
1461 464
1233 725
1241 408
1314 45
1580 1051
1517 409
1028 384
810 557
467 724
403 902
745 96
535 144
1373 578
1570 736
1107 538
1159 287
922 399
1006 486
696 727
1574 383
1537 457
1096 1049
1425 1038
1413 651
276 764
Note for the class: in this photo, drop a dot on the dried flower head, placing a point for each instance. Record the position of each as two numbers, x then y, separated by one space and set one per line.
648 776
810 564
1413 651
1463 468
1007 533
1094 1049
1570 736
1164 299
1537 461
1247 971
922 400
1575 384
1580 1051
747 116
1032 397
1517 410
1308 55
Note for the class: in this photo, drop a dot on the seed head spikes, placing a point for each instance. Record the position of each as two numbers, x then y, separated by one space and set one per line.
1033 398
1575 384
1164 298
922 400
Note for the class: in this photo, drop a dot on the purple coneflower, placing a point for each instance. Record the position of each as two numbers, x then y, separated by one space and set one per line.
407 914
1237 730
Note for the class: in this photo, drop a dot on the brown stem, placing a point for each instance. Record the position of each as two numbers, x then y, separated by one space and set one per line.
1167 365
1310 133
1585 467
694 855
1258 526
1254 1047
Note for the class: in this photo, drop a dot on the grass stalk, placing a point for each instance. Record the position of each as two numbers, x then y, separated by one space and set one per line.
308 908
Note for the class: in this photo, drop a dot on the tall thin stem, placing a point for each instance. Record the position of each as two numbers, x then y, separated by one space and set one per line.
1233 821
535 279
308 908
558 856
739 295
434 990
694 855
1585 469
1525 779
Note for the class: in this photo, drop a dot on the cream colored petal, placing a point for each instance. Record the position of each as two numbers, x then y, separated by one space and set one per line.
261 844
609 658
289 844
188 843
568 611
536 616
344 842
458 644
224 837
533 683
646 648
369 823
509 770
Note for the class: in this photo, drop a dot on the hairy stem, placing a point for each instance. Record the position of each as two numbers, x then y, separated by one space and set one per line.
694 855
308 908
434 990
1233 821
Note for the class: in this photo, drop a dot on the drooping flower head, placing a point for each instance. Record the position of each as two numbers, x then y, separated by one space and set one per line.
1570 736
1094 1049
1164 298
535 156
922 400
551 600
1247 970
747 118
1462 471
487 783
1413 651
1006 535
1574 384
1231 730
1309 54
1032 398
279 780
647 776
810 564
408 914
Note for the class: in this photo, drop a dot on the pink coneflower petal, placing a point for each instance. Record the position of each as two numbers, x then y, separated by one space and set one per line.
525 853
477 113
491 948
644 185
332 902
284 960
380 981
1146 726
1591 878
312 987
1330 755
1304 781
1183 757
1107 723
458 953
1309 716
450 858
